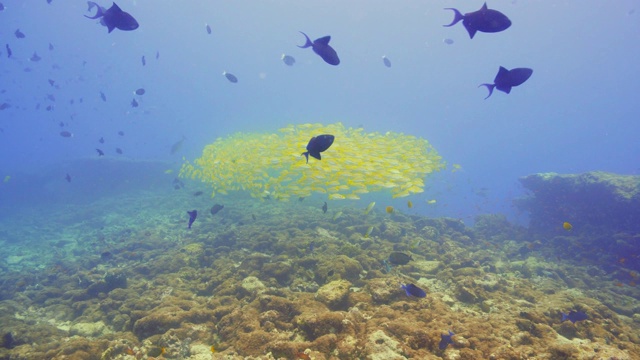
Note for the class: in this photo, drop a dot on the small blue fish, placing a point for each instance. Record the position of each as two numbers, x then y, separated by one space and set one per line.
506 79
144 61
387 266
412 290
288 59
232 78
574 316
445 340
386 61
113 18
208 29
192 217
318 144
484 20
322 48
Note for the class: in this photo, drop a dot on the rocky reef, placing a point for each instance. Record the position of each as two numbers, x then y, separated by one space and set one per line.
270 280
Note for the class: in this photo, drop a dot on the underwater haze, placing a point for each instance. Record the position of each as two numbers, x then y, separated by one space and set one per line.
576 113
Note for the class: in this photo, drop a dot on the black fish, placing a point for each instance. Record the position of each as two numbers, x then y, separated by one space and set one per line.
157 55
321 47
100 152
445 340
386 61
121 133
119 151
399 258
103 96
114 17
192 217
4 106
506 79
35 57
50 47
574 316
288 59
19 34
216 208
9 52
483 20
68 178
134 103
101 140
232 78
1 7
324 208
197 193
140 91
412 290
318 144
66 134
144 62
52 82
208 29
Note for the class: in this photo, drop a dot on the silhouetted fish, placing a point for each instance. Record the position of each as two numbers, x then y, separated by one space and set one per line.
506 79
114 17
232 78
208 29
448 41
192 217
4 106
68 177
121 133
574 316
322 48
103 96
1 7
144 62
324 208
386 61
101 140
484 20
140 91
66 134
50 47
177 145
216 208
198 193
9 52
119 151
134 103
100 152
157 55
399 258
412 290
445 340
288 59
318 144
51 82
35 57
19 34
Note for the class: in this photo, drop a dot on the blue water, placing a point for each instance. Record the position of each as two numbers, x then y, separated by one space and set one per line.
578 111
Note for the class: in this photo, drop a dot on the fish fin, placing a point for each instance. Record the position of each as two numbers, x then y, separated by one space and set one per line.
308 43
457 17
489 87
99 12
111 27
471 31
115 7
323 40
565 317
306 154
316 155
484 7
503 71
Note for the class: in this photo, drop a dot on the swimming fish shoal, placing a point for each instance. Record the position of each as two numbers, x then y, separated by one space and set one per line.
506 79
412 290
321 47
445 340
318 144
193 214
574 316
114 17
484 20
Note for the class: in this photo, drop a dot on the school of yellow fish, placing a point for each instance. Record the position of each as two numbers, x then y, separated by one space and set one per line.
271 166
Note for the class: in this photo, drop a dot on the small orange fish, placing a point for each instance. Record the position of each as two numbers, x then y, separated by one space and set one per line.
129 351
389 209
567 226
213 349
409 204
303 356
163 350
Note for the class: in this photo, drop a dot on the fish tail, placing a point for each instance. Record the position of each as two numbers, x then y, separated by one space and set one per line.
99 12
565 317
308 43
306 154
457 17
490 87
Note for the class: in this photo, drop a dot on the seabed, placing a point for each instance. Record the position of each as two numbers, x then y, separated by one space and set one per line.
123 278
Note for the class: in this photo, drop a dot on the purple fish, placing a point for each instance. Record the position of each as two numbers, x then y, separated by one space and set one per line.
412 290
100 152
483 20
9 52
318 144
506 79
445 340
322 48
192 217
68 178
66 134
574 316
19 34
113 18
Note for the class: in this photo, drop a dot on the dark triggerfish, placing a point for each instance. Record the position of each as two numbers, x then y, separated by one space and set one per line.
483 20
445 340
318 144
193 214
321 47
506 79
412 290
113 18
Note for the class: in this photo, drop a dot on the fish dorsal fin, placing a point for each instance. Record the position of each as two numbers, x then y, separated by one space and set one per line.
484 7
323 40
502 72
117 9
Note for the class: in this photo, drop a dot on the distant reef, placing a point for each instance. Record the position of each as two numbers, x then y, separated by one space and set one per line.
594 202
